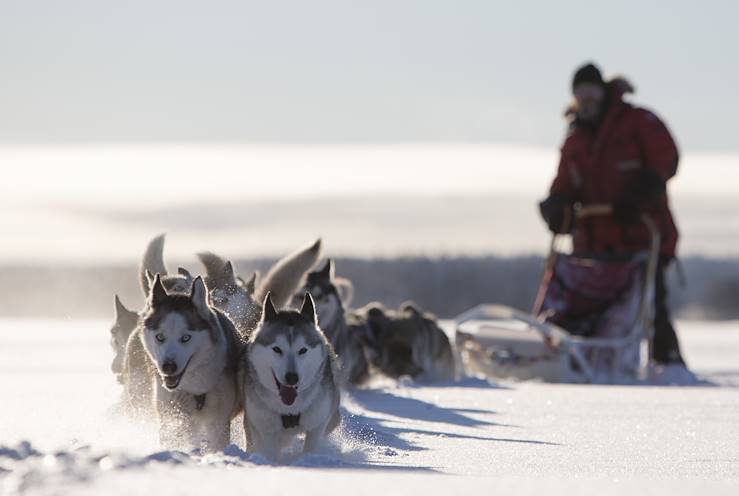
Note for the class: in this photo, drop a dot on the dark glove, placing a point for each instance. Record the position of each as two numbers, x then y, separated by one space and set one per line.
626 212
554 210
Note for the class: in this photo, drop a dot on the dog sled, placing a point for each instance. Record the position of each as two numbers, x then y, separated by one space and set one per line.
592 321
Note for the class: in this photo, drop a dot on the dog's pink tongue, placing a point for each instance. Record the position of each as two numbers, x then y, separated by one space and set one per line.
288 394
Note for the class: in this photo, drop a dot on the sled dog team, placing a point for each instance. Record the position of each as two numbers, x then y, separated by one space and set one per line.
204 350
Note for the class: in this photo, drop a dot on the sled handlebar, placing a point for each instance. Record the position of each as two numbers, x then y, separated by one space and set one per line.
597 209
593 210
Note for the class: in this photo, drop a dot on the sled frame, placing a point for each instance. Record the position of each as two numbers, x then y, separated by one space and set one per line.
573 351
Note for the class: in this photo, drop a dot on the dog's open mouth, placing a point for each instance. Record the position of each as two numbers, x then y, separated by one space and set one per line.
287 393
172 381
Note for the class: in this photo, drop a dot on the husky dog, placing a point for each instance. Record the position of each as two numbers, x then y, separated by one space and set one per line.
129 362
240 299
124 324
344 330
194 349
230 292
134 369
408 342
216 269
289 378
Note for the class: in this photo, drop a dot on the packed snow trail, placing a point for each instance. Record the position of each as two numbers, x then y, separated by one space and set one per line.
57 435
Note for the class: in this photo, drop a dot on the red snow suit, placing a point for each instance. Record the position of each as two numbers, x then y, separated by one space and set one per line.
600 166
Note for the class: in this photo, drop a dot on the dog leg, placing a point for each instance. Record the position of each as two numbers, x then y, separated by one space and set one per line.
256 443
313 438
267 446
174 425
249 443
333 422
173 429
216 436
218 440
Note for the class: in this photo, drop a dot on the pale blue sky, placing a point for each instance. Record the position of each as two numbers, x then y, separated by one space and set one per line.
354 72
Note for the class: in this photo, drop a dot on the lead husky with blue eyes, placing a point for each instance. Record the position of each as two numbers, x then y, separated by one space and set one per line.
289 381
193 349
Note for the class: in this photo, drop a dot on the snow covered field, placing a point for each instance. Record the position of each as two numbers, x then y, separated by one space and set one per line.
56 436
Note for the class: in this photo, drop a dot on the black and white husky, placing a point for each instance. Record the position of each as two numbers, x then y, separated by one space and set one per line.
193 349
289 375
346 332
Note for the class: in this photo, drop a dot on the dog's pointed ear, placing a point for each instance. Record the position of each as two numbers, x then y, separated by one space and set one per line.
184 273
157 293
327 271
251 284
123 314
345 288
149 277
377 320
308 309
228 275
199 296
409 307
120 309
269 313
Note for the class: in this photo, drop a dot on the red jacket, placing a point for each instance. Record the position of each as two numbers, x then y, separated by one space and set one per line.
600 166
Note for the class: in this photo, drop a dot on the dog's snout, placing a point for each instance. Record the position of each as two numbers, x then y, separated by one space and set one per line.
291 378
169 367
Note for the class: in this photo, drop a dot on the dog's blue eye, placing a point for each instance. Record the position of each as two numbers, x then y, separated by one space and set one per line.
185 338
160 337
302 351
277 350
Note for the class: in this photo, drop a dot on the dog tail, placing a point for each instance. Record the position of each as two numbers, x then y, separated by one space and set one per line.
152 261
285 277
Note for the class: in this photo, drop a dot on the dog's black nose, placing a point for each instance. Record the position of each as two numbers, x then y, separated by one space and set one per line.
169 367
291 378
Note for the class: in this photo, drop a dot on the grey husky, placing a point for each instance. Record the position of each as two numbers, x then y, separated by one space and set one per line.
193 351
230 292
289 376
123 325
408 342
346 332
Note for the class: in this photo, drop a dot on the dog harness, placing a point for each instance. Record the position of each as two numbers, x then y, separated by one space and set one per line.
288 421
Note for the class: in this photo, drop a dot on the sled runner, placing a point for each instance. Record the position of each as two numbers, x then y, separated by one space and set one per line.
592 318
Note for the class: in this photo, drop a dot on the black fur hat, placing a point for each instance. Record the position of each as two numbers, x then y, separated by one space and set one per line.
588 73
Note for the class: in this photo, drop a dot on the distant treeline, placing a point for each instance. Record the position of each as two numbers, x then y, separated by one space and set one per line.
444 286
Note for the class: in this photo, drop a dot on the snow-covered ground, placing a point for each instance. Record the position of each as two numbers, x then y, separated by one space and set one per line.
56 436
